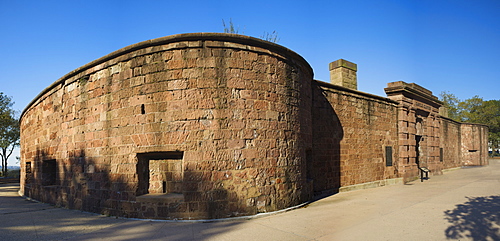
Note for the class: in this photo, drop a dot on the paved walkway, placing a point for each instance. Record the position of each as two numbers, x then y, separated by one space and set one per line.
459 205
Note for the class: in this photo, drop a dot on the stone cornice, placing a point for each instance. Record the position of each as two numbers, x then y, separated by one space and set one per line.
413 91
345 89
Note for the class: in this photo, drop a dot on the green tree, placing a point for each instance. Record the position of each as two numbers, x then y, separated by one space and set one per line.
488 113
450 101
472 110
475 110
9 130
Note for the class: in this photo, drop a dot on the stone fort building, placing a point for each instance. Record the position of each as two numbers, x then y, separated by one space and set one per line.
211 125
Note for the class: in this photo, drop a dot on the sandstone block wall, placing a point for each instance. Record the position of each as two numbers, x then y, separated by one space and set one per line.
474 148
464 144
206 125
451 143
187 126
353 132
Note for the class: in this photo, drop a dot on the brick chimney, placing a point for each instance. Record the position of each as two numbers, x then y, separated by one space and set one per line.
343 73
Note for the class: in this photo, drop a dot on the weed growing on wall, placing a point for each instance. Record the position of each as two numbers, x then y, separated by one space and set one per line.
231 28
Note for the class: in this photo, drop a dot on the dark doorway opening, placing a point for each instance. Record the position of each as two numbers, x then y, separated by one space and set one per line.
418 139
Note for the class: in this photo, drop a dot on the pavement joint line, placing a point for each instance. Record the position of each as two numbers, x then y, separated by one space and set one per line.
29 211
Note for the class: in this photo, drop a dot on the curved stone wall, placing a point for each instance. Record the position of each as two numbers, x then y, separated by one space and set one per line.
189 126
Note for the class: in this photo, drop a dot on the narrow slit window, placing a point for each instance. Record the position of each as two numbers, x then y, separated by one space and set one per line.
388 156
143 110
28 167
28 173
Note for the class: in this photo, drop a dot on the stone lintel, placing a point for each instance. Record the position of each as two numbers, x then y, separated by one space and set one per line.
402 84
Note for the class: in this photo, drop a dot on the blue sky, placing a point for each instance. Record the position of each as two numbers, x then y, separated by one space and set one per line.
442 45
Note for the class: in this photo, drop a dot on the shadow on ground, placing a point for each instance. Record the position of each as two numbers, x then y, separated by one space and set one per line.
476 219
22 219
9 180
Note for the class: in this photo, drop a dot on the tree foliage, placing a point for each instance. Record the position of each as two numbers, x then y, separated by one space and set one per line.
472 110
475 110
9 130
450 101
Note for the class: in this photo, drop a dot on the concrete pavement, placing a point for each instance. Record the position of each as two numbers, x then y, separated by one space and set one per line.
460 205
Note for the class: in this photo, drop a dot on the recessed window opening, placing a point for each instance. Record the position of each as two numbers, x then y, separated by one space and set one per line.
28 173
143 111
160 172
49 172
388 156
407 158
28 167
